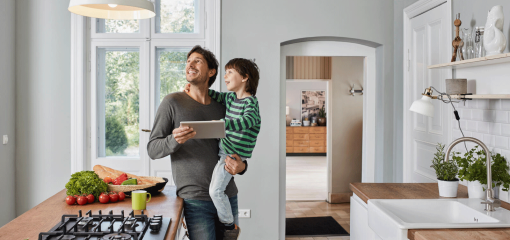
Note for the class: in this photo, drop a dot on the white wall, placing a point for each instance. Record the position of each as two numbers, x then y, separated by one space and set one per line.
7 110
43 70
255 29
294 89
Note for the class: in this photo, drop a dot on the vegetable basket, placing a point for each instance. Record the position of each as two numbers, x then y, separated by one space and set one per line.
153 189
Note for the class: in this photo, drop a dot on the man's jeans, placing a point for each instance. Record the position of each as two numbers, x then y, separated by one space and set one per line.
202 219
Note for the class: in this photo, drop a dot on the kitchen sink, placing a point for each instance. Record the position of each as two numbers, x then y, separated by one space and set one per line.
390 218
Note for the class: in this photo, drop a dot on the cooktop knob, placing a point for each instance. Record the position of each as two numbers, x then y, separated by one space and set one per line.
155 227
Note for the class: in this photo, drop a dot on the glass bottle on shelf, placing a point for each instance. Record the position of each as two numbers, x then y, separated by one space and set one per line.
468 48
479 48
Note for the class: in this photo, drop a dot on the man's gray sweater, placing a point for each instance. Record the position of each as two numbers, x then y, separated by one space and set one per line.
192 162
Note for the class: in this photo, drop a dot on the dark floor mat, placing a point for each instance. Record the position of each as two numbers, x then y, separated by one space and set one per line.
314 226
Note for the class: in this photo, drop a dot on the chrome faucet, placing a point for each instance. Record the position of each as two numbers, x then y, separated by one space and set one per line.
491 201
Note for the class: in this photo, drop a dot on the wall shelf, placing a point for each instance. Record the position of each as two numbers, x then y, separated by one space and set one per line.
479 96
474 62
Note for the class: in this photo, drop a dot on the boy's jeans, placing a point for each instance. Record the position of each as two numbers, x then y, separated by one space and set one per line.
219 182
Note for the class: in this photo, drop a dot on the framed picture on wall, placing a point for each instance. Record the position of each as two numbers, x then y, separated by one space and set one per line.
311 103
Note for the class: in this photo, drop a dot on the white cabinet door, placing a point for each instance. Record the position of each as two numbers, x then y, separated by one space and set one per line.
428 45
359 221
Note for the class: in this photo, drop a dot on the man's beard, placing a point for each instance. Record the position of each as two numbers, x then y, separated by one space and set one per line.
198 81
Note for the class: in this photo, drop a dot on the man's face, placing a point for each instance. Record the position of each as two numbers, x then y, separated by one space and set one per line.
197 71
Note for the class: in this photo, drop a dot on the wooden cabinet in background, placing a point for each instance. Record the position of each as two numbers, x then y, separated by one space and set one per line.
306 140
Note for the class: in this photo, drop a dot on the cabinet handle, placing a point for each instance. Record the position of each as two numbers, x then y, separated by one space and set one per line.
146 130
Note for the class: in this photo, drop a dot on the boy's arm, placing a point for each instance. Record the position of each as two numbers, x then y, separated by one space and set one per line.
250 118
220 97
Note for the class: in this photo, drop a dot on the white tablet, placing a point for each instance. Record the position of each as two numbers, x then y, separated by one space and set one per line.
206 129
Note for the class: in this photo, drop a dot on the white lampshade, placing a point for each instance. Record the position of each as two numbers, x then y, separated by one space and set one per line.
113 9
287 110
423 106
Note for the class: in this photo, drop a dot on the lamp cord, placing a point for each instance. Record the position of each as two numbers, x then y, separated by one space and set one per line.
440 97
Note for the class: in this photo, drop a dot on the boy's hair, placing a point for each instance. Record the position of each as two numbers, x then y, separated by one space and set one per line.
212 62
246 68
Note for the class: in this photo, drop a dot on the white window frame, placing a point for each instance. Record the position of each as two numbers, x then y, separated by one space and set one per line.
84 36
202 24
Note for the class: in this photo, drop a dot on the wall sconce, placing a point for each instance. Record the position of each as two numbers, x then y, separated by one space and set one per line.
424 105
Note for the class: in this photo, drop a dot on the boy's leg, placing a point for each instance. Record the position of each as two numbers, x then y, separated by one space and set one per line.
200 219
219 182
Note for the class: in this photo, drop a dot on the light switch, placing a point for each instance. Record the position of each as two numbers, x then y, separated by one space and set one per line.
6 139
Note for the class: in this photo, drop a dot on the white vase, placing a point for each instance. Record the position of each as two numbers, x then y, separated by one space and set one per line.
475 189
494 40
448 188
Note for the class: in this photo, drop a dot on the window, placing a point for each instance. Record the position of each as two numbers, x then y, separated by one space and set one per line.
134 64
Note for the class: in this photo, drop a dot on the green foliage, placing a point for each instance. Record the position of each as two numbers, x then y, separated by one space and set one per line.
86 182
115 138
322 112
445 170
121 26
177 16
473 166
172 69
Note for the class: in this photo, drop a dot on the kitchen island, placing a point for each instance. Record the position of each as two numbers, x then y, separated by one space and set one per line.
366 191
47 214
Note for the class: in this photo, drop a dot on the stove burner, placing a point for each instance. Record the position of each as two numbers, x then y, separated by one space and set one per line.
68 237
118 236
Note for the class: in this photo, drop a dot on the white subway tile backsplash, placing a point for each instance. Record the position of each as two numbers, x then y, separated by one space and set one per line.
477 114
489 115
465 114
505 129
478 136
471 126
505 104
495 104
455 125
501 142
483 127
495 128
505 153
471 104
501 116
488 139
482 104
456 134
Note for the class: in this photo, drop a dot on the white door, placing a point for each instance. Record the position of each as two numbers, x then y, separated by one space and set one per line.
428 43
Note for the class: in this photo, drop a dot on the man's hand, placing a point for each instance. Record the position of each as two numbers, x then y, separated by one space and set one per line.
183 134
234 166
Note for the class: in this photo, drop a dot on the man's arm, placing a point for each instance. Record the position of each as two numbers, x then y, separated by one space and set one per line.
164 139
235 165
220 97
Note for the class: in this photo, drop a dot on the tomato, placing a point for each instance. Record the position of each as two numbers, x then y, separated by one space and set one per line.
107 180
122 195
104 198
90 198
114 197
70 200
82 200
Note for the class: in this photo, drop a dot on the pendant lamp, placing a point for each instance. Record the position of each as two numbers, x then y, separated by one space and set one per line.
113 9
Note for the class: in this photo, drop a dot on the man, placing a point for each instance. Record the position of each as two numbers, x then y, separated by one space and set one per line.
193 160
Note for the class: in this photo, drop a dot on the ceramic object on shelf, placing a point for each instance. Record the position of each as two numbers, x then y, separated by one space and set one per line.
306 123
493 38
448 188
456 86
321 121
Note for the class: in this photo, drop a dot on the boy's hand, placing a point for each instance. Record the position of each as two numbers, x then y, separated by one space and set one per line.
183 134
187 87
234 166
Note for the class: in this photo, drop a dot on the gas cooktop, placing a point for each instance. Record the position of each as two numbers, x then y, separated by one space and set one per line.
109 227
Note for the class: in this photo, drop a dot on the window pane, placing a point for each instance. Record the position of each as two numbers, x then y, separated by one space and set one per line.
120 102
117 26
177 16
171 70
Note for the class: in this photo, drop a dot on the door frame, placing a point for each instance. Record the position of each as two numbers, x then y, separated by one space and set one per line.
410 12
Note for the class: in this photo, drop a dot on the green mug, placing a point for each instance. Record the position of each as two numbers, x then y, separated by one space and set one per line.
139 199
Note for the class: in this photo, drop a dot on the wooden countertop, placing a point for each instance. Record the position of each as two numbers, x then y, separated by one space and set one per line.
367 191
47 214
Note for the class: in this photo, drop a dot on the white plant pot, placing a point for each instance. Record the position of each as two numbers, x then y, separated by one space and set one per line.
448 188
475 189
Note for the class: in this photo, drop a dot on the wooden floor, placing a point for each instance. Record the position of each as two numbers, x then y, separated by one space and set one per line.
307 192
306 179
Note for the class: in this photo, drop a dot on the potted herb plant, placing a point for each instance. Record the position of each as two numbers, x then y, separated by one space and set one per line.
322 117
446 172
473 168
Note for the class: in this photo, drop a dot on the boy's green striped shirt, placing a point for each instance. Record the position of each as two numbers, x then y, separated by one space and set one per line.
242 122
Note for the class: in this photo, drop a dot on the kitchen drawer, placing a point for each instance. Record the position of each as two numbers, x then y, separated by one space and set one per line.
290 130
301 149
290 142
317 130
290 136
317 149
301 143
301 136
301 130
316 143
317 136
290 149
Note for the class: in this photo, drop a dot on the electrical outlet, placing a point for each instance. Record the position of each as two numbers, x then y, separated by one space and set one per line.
244 213
6 139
